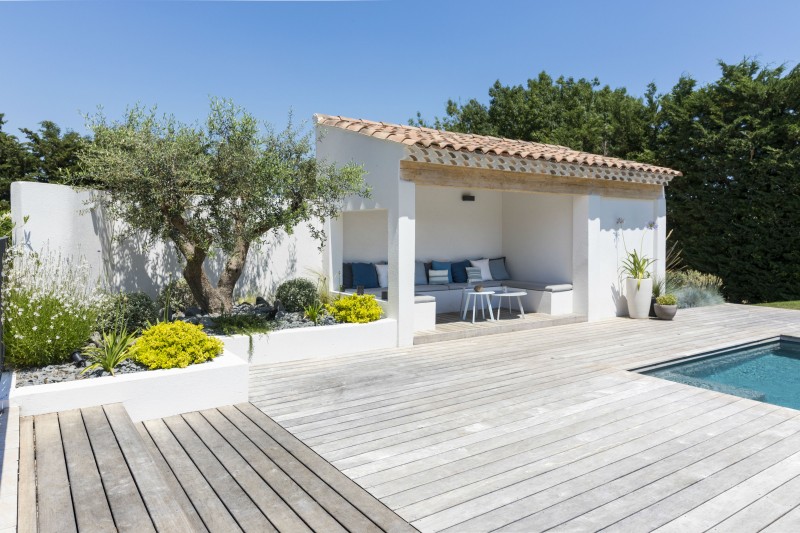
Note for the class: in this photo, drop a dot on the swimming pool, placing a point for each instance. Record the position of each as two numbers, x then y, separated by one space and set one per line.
767 371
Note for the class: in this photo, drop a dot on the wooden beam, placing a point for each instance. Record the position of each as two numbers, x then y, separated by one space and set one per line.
499 180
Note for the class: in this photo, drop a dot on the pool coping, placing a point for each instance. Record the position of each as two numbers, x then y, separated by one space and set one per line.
714 353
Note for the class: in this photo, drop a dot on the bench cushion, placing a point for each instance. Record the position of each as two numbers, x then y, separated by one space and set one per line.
430 288
538 286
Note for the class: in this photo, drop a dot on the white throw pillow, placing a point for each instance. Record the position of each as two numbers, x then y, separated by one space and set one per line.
483 264
383 275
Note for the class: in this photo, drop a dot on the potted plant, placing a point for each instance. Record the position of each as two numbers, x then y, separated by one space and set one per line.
638 284
666 306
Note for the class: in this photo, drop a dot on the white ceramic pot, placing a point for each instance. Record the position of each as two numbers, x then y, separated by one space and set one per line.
638 294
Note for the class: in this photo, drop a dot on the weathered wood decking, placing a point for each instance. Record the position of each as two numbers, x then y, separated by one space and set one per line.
548 429
450 326
221 470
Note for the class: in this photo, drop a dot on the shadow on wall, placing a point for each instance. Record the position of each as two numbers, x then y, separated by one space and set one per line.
135 264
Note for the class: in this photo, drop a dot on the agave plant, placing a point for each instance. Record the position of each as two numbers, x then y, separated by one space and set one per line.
114 348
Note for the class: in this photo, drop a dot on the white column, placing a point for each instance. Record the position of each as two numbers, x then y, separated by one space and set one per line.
334 249
402 245
660 236
580 254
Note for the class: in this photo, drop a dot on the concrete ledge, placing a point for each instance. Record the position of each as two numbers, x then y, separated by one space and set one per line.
312 342
145 395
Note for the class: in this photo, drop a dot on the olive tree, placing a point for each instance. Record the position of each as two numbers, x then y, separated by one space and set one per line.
214 190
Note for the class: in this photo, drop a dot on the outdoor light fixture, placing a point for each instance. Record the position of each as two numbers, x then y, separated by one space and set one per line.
78 359
466 197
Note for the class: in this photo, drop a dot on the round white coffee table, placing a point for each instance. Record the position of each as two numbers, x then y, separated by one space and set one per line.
512 293
486 301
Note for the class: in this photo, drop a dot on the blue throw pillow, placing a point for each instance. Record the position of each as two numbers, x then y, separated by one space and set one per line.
498 268
365 274
420 278
459 271
443 265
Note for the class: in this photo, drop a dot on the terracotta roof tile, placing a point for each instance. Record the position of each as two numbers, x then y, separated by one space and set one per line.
465 142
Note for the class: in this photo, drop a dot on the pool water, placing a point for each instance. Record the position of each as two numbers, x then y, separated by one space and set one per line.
767 372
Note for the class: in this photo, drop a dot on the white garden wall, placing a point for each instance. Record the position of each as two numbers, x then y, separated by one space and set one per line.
63 219
145 395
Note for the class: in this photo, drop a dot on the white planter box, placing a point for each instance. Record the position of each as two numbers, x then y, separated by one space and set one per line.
313 342
146 395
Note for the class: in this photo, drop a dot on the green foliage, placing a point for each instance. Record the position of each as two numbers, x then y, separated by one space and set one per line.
127 311
693 296
175 345
242 324
667 299
219 187
296 294
794 304
735 209
46 155
580 114
636 266
175 296
50 307
693 278
113 349
315 312
356 309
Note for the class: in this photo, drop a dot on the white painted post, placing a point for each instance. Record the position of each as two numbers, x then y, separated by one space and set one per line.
580 254
660 238
402 244
334 249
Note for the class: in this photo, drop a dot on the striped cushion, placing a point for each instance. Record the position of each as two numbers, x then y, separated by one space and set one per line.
439 277
474 275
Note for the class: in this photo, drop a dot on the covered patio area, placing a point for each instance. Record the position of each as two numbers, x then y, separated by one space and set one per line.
545 219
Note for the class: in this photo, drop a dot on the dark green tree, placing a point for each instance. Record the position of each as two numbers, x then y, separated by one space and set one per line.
735 210
16 162
55 153
580 114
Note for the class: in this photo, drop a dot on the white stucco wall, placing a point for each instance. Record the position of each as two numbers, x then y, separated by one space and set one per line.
537 236
381 161
366 235
63 219
451 229
607 244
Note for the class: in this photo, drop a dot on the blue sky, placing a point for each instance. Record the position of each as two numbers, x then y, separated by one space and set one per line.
378 60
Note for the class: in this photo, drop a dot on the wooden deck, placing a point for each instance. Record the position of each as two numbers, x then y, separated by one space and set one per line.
450 326
548 429
221 470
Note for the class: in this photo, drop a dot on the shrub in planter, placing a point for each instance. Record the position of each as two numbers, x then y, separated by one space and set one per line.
175 345
50 307
177 295
128 311
356 309
297 294
666 306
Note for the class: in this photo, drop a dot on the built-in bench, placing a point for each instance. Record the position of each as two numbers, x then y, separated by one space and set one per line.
548 298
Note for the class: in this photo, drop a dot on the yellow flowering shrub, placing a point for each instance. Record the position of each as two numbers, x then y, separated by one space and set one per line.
355 309
175 345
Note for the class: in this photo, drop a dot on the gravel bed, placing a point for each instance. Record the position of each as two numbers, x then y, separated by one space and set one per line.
69 372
